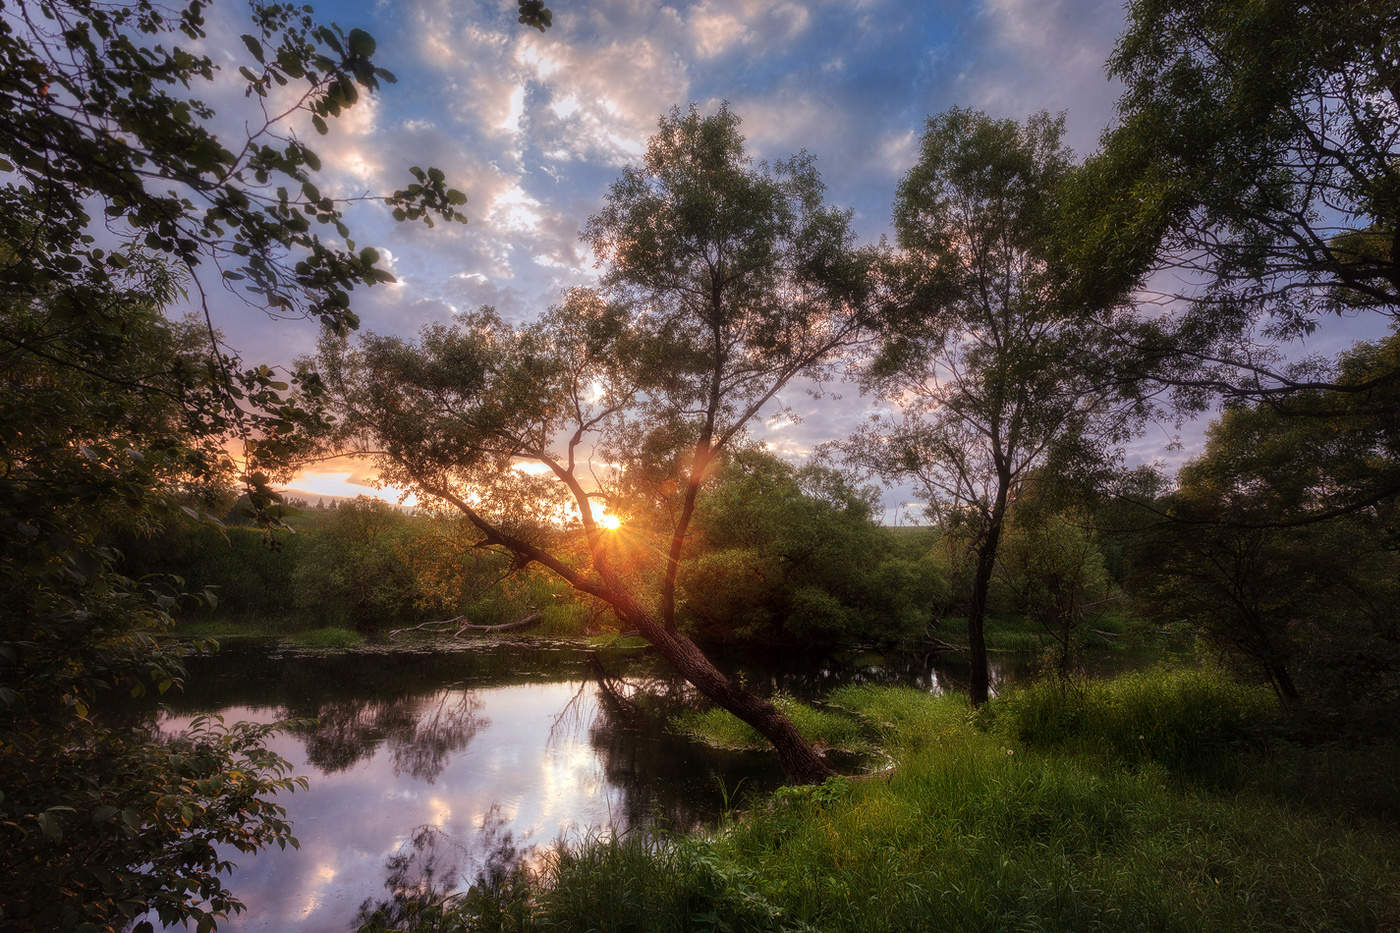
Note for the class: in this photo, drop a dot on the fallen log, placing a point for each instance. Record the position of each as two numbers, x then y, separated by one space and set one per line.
465 626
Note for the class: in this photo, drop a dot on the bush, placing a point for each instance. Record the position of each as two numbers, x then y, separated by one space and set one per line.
794 557
1190 722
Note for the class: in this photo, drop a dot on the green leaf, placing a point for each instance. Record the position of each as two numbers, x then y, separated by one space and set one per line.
254 46
290 63
361 43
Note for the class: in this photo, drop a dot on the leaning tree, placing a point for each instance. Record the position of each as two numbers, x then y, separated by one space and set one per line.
724 280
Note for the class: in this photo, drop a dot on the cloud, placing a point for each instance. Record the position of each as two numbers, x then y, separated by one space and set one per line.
716 27
1047 55
601 99
534 127
714 30
515 211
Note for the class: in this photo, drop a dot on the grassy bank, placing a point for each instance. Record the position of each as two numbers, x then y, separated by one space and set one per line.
1164 800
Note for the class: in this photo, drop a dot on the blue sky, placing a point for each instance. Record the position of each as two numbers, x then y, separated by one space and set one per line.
533 127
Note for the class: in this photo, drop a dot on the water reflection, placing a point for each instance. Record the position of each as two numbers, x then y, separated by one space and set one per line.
420 732
408 754
441 764
427 873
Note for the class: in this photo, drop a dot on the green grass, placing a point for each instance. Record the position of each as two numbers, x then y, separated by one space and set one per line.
824 728
1013 634
1053 810
615 642
1016 634
1192 722
563 619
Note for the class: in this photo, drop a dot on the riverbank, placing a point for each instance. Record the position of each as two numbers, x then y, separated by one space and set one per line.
1165 800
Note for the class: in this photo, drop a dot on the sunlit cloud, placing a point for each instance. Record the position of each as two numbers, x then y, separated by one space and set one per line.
714 31
515 111
345 484
514 210
533 127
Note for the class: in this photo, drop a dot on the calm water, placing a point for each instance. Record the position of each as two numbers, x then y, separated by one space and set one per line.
426 763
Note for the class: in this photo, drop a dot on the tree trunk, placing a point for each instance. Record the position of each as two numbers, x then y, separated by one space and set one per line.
980 684
980 687
1283 683
800 762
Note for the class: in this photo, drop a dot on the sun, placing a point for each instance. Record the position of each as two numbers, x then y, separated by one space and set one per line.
609 522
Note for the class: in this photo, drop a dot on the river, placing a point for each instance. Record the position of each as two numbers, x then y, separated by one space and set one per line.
430 762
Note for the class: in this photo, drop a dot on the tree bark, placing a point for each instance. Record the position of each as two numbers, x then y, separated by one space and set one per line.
979 689
800 762
1283 683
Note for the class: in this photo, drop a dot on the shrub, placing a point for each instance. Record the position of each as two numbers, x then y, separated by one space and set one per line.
1184 720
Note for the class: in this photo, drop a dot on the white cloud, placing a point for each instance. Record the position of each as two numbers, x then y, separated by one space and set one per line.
603 99
714 31
899 151
718 26
515 111
1048 55
514 210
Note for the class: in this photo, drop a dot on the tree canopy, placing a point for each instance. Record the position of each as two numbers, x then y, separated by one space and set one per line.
1254 178
794 558
103 110
1278 543
723 281
993 375
103 420
118 194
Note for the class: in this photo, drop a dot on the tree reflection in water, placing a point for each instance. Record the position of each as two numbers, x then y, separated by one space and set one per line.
421 732
426 873
670 780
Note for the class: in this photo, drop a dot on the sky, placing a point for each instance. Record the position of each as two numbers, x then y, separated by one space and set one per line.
535 126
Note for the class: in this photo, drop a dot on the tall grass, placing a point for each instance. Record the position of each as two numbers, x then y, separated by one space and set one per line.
1193 722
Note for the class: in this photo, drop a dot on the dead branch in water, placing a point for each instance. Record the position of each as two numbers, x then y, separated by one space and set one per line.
464 626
